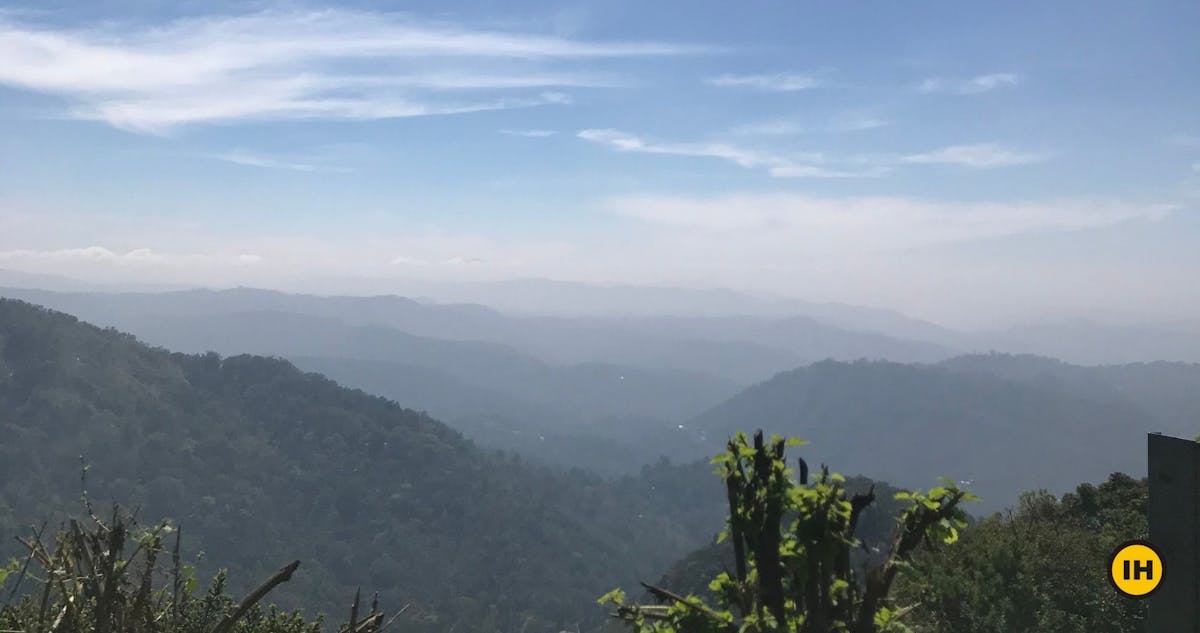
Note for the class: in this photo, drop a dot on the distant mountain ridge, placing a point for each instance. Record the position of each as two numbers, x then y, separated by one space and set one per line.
1170 391
507 312
1088 342
743 349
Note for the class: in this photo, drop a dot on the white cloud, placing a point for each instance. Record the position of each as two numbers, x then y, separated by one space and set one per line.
815 165
856 124
467 261
560 98
251 159
794 166
90 253
331 64
625 142
776 127
977 155
210 259
971 86
404 260
135 259
919 255
779 82
457 260
94 254
529 133
813 171
248 259
788 127
830 225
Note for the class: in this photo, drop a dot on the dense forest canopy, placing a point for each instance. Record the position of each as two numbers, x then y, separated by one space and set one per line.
262 463
1002 435
1037 567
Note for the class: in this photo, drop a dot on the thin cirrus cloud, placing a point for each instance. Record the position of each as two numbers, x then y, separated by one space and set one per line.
529 133
814 165
329 64
796 166
970 86
788 127
778 82
977 156
267 161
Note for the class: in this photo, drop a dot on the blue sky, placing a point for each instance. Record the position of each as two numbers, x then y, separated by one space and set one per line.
965 162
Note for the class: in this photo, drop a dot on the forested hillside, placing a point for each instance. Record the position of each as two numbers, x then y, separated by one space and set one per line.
881 419
596 389
1170 391
582 416
1038 567
261 463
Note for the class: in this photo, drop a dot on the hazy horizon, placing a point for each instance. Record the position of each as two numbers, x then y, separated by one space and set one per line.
1047 166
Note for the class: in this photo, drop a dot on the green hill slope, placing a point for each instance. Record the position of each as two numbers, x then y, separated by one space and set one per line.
261 463
908 424
1170 391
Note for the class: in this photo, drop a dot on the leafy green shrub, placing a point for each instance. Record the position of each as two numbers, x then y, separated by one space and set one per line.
792 542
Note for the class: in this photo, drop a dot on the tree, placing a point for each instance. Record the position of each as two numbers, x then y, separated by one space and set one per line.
792 542
1037 568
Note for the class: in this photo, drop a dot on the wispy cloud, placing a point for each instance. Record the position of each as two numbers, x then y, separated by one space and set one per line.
330 64
625 142
876 222
209 258
977 155
816 165
855 124
778 82
529 133
970 86
267 161
89 253
406 260
137 258
788 127
775 127
792 166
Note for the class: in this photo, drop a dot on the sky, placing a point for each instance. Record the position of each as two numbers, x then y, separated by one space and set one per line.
969 163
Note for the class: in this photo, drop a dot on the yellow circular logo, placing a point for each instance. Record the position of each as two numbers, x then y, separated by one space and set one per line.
1136 569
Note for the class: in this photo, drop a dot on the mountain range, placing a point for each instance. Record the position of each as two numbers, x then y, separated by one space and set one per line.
687 382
